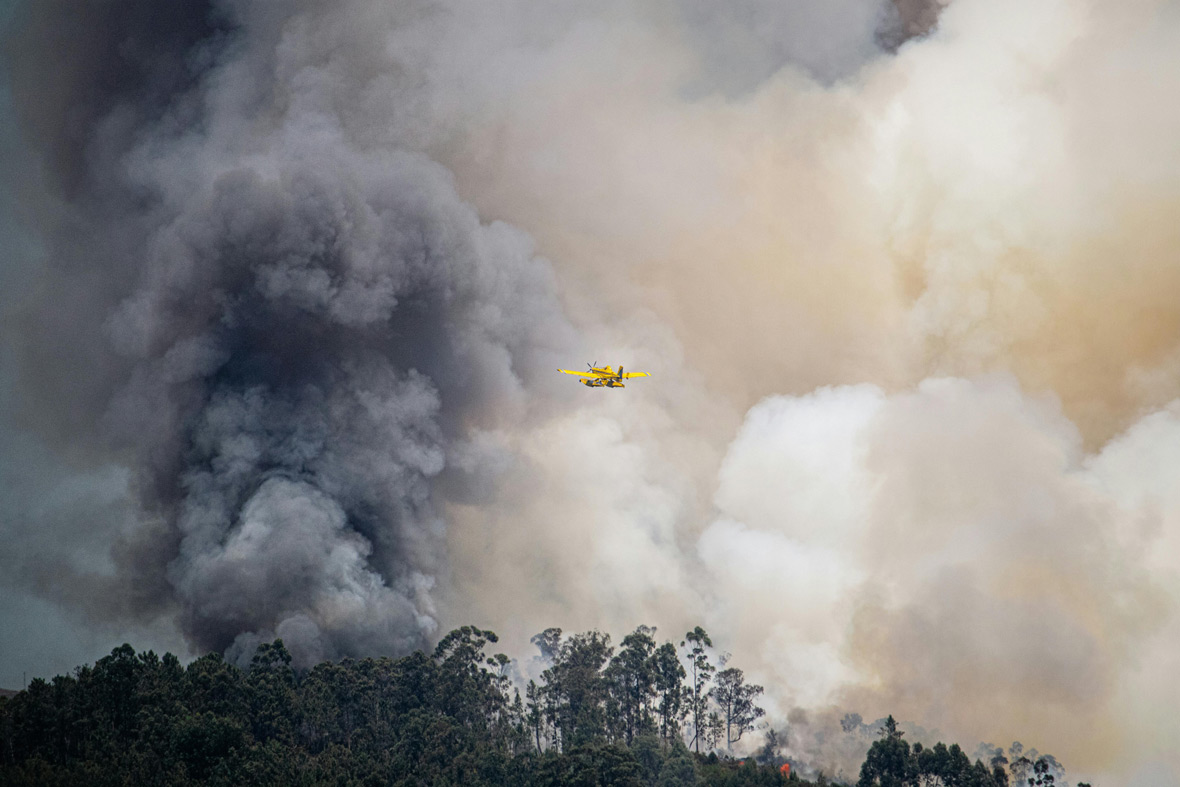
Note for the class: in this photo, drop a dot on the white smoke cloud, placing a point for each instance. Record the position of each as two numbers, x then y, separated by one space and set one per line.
948 554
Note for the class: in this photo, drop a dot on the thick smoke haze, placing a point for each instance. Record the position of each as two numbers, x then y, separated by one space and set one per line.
289 283
283 314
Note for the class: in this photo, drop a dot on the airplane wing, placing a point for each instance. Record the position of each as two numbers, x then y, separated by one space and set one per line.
578 374
636 374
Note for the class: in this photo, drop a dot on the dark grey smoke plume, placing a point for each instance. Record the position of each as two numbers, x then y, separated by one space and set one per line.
286 331
909 19
742 42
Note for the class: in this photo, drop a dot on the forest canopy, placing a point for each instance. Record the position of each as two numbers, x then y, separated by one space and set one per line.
642 713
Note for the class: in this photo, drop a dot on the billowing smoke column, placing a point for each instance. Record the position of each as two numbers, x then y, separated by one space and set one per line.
299 330
903 272
294 405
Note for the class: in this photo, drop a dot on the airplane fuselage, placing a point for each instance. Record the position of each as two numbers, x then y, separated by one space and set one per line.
603 376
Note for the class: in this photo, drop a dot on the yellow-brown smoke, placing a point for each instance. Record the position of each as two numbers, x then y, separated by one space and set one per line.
978 235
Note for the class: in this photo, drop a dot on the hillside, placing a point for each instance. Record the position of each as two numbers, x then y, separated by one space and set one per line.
597 715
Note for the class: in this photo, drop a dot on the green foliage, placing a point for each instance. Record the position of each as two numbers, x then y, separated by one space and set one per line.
891 762
631 683
270 687
574 694
668 678
697 643
598 717
735 699
678 770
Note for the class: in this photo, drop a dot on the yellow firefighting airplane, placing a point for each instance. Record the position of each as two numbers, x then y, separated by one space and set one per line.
603 376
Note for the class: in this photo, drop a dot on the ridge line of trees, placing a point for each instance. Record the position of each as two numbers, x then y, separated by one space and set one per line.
596 715
892 762
591 691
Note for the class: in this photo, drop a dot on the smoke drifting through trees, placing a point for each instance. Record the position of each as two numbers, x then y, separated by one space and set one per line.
911 314
451 716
